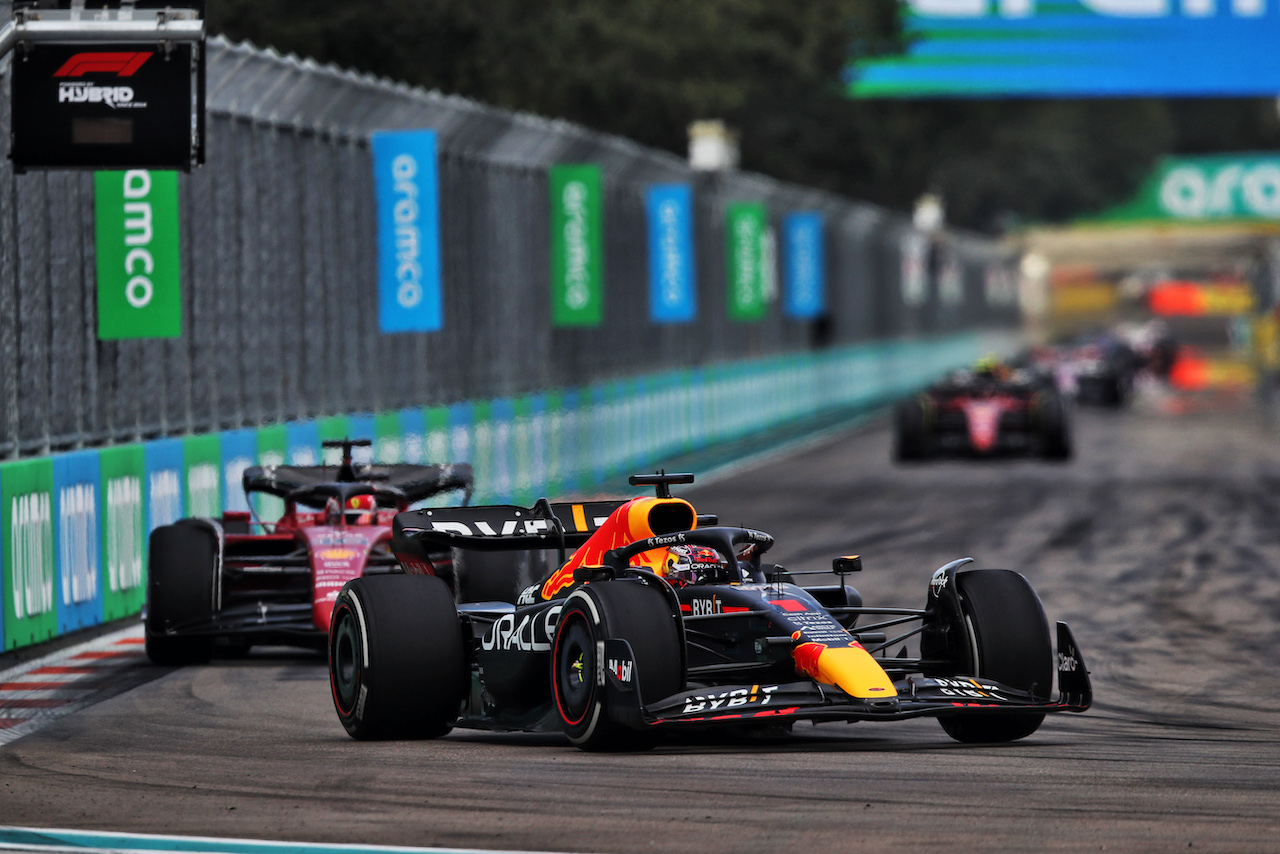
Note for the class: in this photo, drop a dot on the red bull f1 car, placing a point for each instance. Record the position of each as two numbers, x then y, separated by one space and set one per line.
232 582
662 621
984 413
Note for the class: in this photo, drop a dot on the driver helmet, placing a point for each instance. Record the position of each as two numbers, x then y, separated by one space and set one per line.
990 366
693 565
362 510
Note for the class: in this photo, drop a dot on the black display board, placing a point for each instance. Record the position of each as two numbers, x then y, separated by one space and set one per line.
108 106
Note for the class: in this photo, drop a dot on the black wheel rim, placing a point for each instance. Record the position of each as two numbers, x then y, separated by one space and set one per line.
346 661
575 669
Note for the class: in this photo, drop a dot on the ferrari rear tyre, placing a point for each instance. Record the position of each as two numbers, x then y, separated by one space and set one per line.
1009 638
182 581
909 431
628 610
397 666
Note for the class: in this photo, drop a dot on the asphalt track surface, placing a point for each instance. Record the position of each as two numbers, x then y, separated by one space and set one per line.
1160 544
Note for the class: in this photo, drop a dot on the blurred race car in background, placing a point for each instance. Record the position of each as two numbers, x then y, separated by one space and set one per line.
232 582
1104 368
987 411
662 621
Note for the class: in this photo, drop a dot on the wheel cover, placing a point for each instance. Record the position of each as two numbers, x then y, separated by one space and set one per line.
575 667
344 653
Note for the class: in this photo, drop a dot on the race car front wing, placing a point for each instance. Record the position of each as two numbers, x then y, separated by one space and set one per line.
920 696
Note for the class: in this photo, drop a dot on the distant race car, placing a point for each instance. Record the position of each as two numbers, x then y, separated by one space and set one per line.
663 621
232 582
1096 370
985 412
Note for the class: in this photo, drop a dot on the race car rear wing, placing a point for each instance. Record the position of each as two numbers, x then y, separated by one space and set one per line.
407 483
499 527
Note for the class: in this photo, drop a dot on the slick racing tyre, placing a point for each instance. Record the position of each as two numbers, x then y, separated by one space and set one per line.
397 666
182 582
629 610
1009 641
1055 437
909 440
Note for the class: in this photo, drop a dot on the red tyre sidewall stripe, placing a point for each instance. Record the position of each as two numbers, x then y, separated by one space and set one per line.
555 676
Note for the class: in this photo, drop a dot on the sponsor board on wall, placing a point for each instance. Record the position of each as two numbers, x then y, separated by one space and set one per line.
124 529
413 436
165 482
577 245
26 533
406 188
239 451
746 231
805 265
202 456
672 277
333 429
138 256
273 450
388 445
437 437
78 596
362 426
302 442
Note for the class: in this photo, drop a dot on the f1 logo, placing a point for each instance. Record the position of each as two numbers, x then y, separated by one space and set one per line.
123 64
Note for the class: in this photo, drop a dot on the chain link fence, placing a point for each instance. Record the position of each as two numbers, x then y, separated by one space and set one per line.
279 269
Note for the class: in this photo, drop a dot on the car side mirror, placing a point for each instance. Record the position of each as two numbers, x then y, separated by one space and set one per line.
846 564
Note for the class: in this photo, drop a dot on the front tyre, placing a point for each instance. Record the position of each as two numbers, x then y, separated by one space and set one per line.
636 612
1009 640
397 666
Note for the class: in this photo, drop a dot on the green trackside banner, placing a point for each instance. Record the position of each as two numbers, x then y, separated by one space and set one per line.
745 224
124 532
273 450
202 457
136 238
577 245
26 536
1215 187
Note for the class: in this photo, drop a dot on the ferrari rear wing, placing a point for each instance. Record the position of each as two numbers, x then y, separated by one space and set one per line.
499 527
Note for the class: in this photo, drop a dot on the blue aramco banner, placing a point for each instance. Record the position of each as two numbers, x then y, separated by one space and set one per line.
805 265
672 295
406 186
1080 48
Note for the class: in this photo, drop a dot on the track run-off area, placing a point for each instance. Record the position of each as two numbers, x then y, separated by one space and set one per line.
1159 544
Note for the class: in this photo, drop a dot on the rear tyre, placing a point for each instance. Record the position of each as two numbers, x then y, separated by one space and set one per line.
397 667
909 431
182 581
1054 435
629 610
1009 637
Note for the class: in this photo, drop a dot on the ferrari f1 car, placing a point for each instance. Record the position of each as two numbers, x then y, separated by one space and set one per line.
234 582
984 412
663 621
